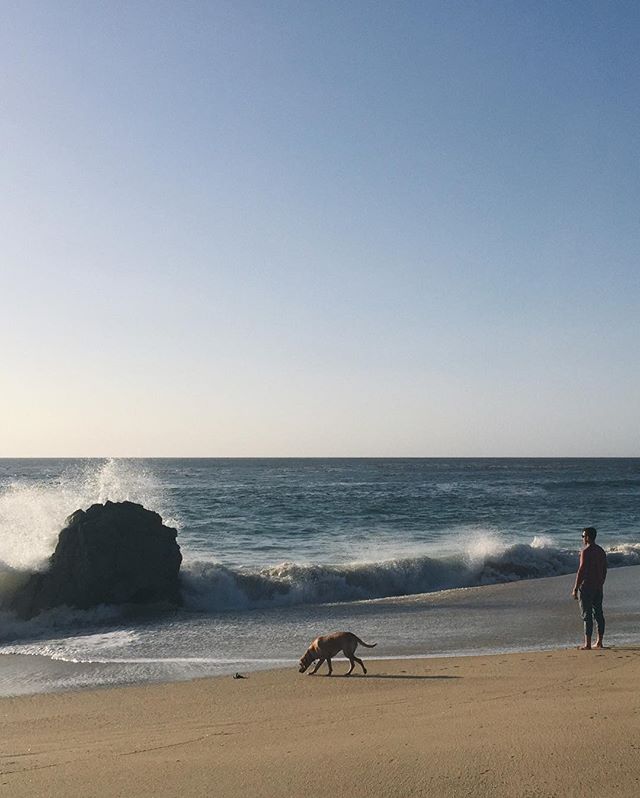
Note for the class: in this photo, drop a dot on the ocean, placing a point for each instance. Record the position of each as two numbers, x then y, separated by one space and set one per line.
426 557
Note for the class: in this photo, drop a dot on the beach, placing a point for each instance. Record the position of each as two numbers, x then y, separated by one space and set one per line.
554 723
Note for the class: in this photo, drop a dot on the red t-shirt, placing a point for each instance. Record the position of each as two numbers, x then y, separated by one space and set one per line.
593 567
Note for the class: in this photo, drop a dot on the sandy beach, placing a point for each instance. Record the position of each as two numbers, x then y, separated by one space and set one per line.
561 723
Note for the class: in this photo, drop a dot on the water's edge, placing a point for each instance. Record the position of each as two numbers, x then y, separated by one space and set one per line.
531 615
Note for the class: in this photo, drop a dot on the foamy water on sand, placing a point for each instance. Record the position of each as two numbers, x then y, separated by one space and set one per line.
426 557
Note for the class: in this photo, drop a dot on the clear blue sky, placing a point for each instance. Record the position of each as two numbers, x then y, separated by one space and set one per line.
296 228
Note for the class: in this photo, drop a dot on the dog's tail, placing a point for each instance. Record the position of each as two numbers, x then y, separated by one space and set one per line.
366 645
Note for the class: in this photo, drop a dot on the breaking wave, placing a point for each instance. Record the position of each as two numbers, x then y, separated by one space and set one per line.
212 587
32 513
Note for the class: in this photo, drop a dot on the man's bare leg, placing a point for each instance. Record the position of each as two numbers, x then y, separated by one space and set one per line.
599 643
587 644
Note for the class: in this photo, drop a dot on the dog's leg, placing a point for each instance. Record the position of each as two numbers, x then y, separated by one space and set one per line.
353 664
316 666
329 664
360 663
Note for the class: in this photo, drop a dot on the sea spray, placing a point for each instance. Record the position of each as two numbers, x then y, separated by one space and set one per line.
212 587
32 513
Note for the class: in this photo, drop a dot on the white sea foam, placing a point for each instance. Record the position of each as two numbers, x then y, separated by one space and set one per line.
542 542
33 513
210 586
483 544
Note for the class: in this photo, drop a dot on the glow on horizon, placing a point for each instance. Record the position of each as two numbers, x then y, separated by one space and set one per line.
240 229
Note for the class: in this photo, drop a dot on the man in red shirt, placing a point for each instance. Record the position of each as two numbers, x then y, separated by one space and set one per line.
589 583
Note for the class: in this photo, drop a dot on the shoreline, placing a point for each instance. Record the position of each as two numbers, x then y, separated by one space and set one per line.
272 666
505 724
515 617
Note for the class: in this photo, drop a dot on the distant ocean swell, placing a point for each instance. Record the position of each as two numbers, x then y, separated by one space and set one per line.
211 587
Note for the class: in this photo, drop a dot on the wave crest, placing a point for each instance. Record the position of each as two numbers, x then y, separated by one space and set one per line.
32 513
212 587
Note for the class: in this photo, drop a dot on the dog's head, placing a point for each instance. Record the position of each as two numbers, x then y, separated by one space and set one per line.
306 659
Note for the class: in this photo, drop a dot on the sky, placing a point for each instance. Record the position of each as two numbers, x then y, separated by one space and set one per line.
319 229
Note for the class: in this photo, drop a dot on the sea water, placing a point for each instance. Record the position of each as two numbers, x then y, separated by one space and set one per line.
423 556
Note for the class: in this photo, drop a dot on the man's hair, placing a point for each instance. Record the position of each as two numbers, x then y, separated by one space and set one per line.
591 531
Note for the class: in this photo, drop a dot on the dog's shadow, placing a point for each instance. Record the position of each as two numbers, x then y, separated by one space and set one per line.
407 676
396 676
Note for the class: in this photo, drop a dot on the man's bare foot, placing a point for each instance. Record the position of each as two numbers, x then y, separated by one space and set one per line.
599 645
584 648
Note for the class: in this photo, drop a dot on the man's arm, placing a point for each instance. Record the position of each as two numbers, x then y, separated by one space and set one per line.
579 575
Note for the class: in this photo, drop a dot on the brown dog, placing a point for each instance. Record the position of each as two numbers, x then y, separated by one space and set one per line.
324 648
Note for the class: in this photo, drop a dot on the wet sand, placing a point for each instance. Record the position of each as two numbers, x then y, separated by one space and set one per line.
562 723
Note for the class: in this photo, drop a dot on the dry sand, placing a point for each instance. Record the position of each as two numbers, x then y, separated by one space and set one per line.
563 723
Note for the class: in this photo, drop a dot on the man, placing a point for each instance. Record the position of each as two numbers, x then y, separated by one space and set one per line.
589 583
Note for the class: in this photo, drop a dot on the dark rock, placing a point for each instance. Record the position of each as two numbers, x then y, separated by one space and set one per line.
113 553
